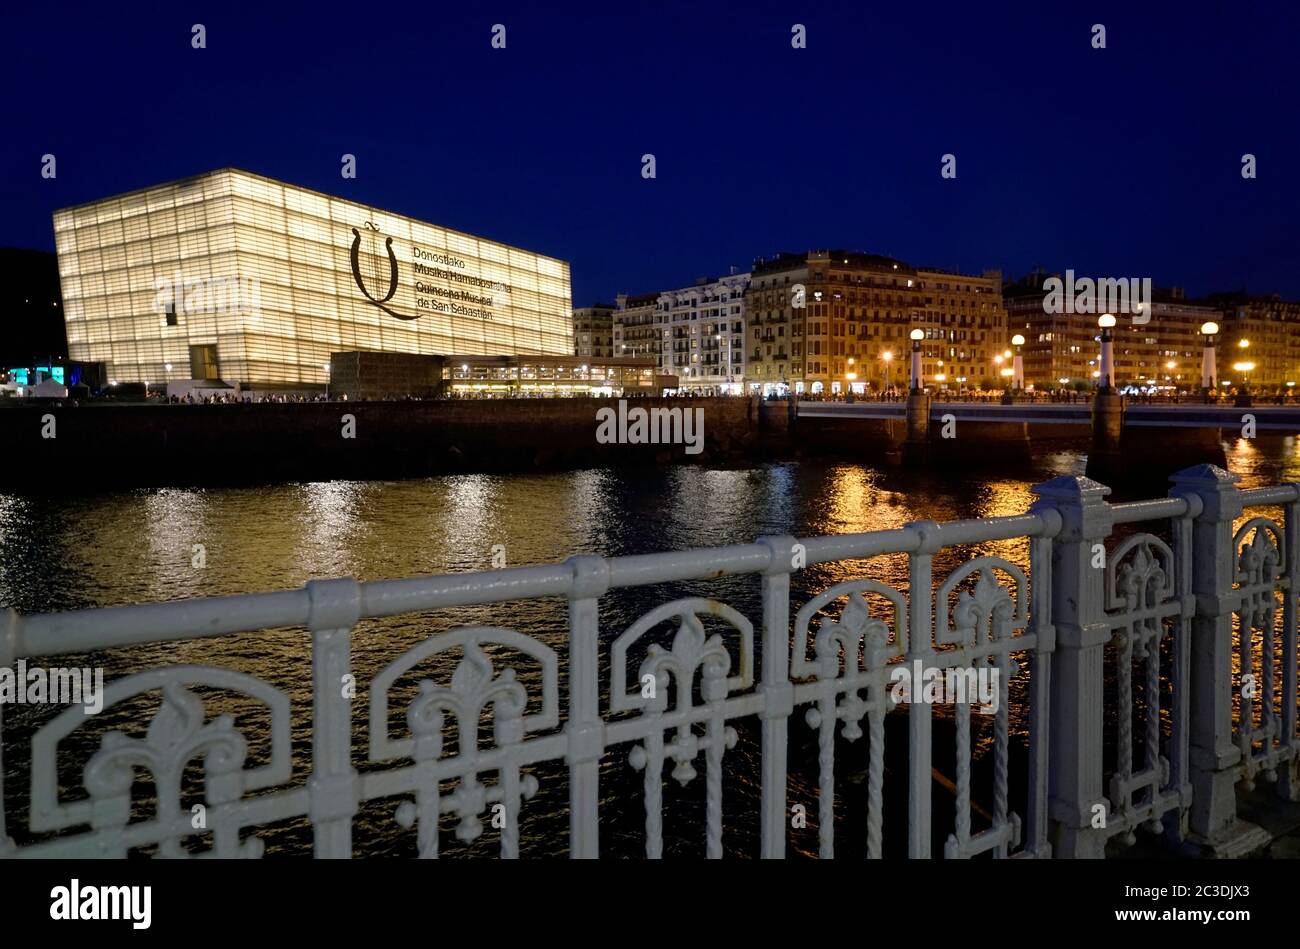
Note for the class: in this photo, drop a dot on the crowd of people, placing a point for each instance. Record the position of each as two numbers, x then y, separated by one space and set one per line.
244 398
1217 396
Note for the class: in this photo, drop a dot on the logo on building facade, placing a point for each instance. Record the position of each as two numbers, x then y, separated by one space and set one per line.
392 272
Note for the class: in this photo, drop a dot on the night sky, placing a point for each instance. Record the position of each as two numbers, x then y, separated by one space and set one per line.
1117 162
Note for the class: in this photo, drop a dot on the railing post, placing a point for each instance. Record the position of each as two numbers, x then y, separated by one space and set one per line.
9 620
778 694
1214 756
1074 775
334 786
1289 776
1038 833
585 728
920 722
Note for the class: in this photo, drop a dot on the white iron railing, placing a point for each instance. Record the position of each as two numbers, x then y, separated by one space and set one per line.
1167 614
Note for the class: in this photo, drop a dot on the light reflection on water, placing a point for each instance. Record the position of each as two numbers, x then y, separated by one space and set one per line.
138 547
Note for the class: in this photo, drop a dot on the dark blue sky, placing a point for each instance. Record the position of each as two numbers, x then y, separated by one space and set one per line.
1117 162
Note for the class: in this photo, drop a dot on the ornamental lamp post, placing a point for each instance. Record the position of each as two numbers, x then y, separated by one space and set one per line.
916 337
1208 369
1208 330
1107 322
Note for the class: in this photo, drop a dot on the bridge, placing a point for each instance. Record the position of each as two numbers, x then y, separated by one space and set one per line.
1137 415
1146 675
1168 436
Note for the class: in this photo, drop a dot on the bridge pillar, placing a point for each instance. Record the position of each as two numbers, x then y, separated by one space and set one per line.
1077 804
1214 755
1104 458
917 446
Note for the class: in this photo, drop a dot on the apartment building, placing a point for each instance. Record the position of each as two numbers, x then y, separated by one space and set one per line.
830 322
593 331
696 333
1064 350
636 329
1270 327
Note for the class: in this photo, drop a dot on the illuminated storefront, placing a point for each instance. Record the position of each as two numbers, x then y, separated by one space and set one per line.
387 376
559 376
236 276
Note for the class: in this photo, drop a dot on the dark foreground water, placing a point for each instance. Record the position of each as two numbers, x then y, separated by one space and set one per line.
69 553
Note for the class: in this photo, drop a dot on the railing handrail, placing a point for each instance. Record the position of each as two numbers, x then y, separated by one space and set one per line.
77 631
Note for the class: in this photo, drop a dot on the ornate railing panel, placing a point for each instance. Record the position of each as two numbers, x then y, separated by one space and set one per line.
1149 607
1263 576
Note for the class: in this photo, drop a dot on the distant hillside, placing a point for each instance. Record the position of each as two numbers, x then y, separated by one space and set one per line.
31 307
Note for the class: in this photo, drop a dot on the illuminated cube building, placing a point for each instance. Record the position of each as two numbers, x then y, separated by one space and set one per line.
236 276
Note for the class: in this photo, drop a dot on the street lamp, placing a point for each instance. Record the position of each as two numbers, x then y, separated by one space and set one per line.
916 337
1018 372
1244 367
888 358
1107 322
